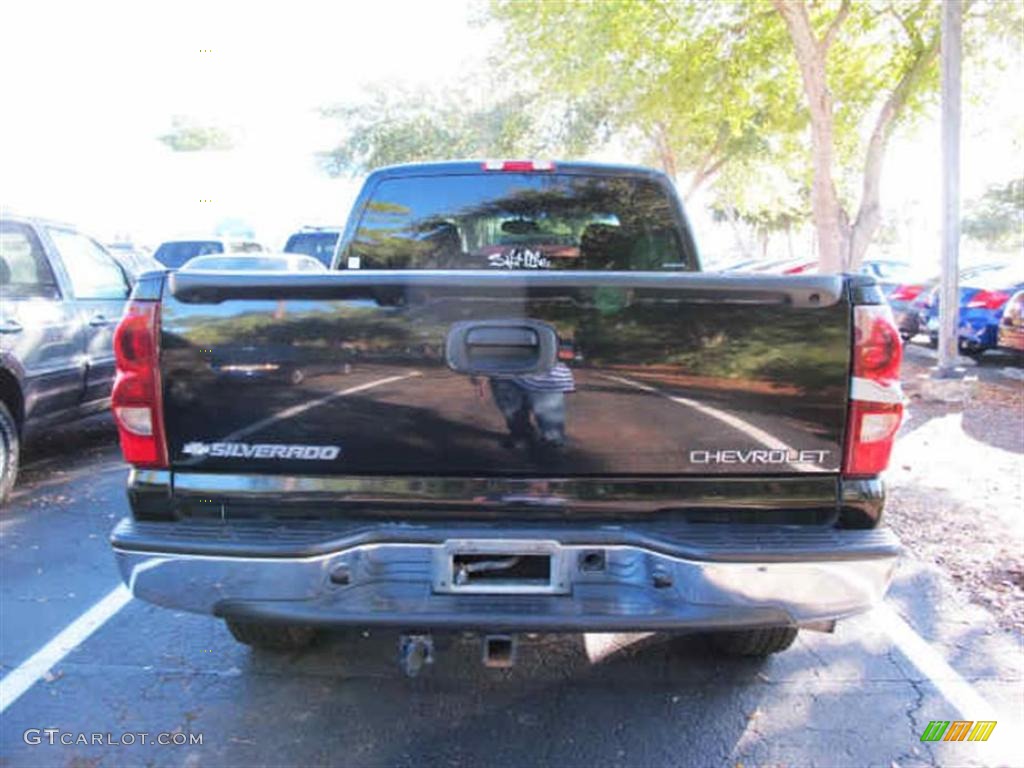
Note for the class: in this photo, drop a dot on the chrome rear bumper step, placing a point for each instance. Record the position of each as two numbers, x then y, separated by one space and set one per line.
637 587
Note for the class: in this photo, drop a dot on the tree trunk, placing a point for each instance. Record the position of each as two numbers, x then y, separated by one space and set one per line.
711 164
665 154
842 245
703 175
869 215
830 219
730 215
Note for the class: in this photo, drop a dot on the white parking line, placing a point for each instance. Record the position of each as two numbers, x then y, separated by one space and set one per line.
25 675
956 690
756 434
919 652
295 410
1002 748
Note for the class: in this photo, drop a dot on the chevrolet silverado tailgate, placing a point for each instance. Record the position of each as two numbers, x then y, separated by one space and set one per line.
504 373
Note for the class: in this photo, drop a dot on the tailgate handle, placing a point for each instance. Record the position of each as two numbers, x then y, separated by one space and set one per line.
497 336
495 347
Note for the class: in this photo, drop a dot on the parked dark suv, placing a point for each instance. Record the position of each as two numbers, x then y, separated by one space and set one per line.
61 295
318 242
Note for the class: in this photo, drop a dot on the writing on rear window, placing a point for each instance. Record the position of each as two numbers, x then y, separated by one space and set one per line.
519 258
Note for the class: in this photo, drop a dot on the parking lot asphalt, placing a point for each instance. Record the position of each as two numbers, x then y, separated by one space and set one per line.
860 696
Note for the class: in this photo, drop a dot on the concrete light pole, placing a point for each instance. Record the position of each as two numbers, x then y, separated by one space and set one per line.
949 300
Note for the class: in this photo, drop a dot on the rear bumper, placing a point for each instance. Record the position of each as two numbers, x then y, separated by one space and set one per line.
979 329
1011 338
676 578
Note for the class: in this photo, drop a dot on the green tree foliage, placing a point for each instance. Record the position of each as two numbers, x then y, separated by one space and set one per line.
234 226
767 195
711 85
392 126
867 67
187 135
997 217
718 92
686 78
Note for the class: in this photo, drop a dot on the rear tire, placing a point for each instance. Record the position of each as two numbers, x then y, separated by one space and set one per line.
10 450
753 642
272 637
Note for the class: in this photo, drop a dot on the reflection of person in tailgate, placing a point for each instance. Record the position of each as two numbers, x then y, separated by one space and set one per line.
541 395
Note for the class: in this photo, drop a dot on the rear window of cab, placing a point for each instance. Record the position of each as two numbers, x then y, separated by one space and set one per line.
519 221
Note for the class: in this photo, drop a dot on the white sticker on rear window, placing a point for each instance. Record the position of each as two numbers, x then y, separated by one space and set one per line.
519 258
353 262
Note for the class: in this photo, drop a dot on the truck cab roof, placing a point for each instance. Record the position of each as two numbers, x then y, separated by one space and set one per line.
459 167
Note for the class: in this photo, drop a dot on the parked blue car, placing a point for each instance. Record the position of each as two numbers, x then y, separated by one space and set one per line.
984 293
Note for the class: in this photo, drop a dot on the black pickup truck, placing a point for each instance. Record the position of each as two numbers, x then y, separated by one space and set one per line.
523 409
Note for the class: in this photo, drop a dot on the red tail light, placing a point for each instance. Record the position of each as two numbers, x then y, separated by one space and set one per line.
876 399
871 431
906 292
137 400
519 165
877 349
988 300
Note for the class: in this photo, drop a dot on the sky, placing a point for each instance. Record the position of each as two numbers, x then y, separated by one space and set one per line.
93 84
90 86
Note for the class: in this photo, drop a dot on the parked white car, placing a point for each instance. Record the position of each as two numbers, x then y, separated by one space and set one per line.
174 253
259 262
